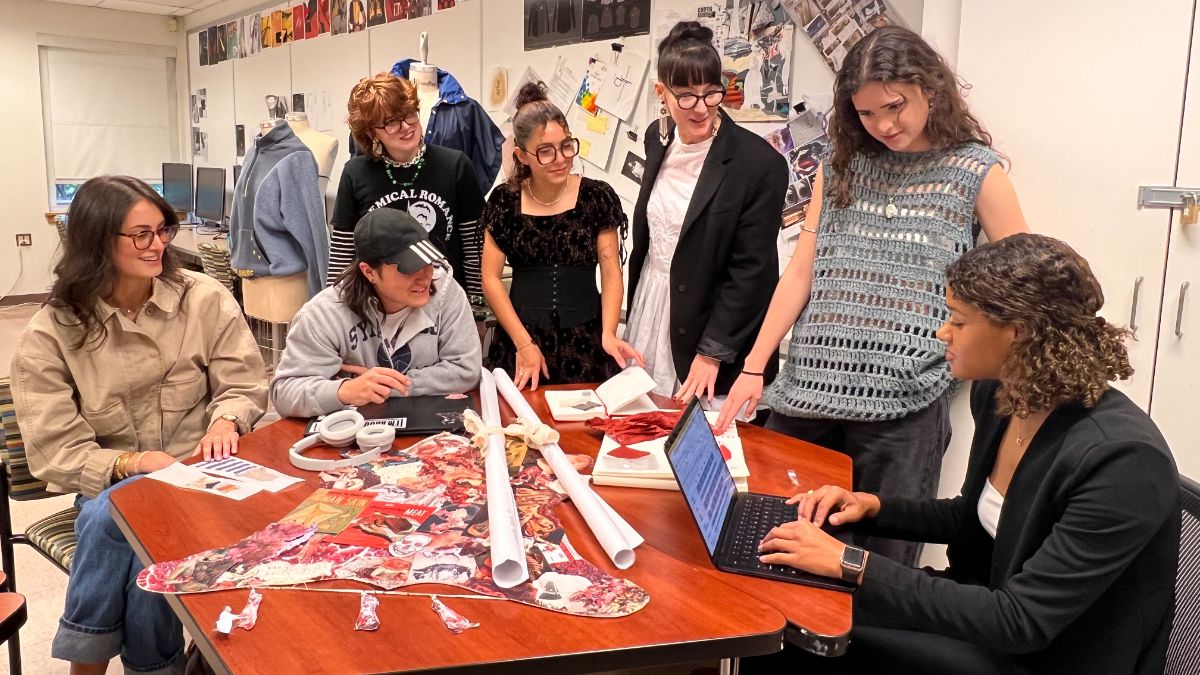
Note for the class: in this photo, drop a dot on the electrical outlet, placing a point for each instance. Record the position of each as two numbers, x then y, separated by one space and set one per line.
24 240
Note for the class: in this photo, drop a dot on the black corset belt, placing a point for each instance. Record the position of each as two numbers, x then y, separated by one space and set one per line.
559 296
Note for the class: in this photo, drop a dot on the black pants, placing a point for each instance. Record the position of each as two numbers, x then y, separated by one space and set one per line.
899 458
887 650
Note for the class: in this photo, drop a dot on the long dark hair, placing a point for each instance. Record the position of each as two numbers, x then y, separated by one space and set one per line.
895 54
86 272
1064 351
358 293
686 57
534 111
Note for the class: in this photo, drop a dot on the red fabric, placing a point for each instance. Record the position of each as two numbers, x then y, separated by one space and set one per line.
636 428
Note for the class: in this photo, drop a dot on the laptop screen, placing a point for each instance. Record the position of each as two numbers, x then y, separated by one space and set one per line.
703 477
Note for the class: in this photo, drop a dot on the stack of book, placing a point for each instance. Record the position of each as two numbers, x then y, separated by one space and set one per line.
645 464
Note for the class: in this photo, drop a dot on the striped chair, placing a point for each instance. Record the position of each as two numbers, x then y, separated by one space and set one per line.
1183 654
53 537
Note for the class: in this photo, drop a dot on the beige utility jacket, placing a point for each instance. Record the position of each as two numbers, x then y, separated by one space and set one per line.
156 383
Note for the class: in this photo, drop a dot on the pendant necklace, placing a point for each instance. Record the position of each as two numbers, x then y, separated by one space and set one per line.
891 210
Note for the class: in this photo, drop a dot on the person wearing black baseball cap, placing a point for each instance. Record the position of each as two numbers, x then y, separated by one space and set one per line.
393 322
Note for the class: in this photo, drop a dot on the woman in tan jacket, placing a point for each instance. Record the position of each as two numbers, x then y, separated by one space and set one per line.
130 366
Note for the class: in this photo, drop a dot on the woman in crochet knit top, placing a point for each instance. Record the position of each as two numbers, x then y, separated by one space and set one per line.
911 178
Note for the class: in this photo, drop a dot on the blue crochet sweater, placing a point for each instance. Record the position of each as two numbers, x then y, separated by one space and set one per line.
865 348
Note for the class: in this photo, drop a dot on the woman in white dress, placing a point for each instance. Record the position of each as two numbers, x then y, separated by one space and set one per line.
704 261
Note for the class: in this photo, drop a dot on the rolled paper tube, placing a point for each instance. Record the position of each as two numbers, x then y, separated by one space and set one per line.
509 566
616 537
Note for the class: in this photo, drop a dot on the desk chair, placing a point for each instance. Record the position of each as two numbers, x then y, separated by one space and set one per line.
1183 653
53 537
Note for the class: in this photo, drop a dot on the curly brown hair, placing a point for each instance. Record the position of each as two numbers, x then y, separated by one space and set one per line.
375 100
895 54
1063 351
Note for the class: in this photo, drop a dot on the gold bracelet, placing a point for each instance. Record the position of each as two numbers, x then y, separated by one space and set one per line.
119 466
527 344
136 458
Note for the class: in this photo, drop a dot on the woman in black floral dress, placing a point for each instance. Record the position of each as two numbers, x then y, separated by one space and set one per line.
553 228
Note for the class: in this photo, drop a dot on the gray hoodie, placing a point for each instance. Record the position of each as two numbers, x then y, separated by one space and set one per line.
438 341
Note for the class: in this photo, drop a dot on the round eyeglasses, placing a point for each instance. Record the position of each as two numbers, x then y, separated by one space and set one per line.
393 125
141 240
687 101
546 153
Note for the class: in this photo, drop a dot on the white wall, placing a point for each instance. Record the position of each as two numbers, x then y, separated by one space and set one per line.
24 187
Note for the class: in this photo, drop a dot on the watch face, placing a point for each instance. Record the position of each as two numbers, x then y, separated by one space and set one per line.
853 557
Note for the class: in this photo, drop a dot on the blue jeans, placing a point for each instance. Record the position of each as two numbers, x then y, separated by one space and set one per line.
106 613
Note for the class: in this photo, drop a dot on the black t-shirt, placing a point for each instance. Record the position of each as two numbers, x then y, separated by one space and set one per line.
444 197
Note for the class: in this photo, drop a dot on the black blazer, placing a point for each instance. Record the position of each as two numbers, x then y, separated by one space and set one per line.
725 265
1081 575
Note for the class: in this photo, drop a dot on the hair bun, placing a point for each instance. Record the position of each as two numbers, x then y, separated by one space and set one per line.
530 92
686 30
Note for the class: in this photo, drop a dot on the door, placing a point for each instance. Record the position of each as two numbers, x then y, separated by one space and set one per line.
1085 99
1174 405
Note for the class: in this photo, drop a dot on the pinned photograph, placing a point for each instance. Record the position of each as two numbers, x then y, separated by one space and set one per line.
356 17
202 40
550 23
634 167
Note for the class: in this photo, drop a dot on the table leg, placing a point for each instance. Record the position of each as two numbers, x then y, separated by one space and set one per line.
730 666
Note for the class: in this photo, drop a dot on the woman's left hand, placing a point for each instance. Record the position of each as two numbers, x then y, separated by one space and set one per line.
621 351
805 546
701 378
220 442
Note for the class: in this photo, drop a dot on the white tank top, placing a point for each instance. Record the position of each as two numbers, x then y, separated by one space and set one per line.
990 503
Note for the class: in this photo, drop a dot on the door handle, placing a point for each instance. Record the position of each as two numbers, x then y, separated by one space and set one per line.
1137 294
1183 289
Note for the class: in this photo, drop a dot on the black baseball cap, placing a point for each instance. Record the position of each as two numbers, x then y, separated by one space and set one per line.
388 235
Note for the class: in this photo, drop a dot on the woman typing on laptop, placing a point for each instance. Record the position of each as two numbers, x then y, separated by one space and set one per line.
1063 543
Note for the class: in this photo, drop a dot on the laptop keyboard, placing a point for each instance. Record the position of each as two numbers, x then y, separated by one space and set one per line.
759 514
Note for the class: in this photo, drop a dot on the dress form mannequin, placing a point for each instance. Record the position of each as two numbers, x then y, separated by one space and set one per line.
324 147
425 77
276 299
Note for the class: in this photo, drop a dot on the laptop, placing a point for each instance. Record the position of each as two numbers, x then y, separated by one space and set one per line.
412 415
732 523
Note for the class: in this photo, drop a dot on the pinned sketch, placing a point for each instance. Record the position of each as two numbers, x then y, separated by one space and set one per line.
607 19
549 23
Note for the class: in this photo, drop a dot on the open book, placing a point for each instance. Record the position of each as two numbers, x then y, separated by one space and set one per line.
623 394
645 464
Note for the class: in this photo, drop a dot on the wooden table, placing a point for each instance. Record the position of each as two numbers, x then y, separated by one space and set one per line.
695 612
818 619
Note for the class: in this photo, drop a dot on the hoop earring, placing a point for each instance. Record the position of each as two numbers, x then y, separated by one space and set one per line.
662 122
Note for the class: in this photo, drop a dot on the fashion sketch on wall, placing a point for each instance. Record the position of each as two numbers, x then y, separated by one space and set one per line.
549 23
607 19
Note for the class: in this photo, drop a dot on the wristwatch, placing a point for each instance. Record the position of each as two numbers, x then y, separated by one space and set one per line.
853 558
228 418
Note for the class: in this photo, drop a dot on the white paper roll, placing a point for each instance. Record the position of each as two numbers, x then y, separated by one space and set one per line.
616 537
509 566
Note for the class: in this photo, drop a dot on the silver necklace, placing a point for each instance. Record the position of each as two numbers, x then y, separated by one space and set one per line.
891 210
410 163
552 202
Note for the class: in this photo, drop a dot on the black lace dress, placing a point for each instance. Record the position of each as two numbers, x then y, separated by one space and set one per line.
554 289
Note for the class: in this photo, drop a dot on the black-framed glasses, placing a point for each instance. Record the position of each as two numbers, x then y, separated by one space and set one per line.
687 101
393 125
141 240
546 153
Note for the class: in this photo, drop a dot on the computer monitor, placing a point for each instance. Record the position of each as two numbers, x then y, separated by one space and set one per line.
210 194
177 185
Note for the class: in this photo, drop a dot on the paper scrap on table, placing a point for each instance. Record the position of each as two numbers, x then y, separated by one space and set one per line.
191 478
598 124
368 618
455 622
248 472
